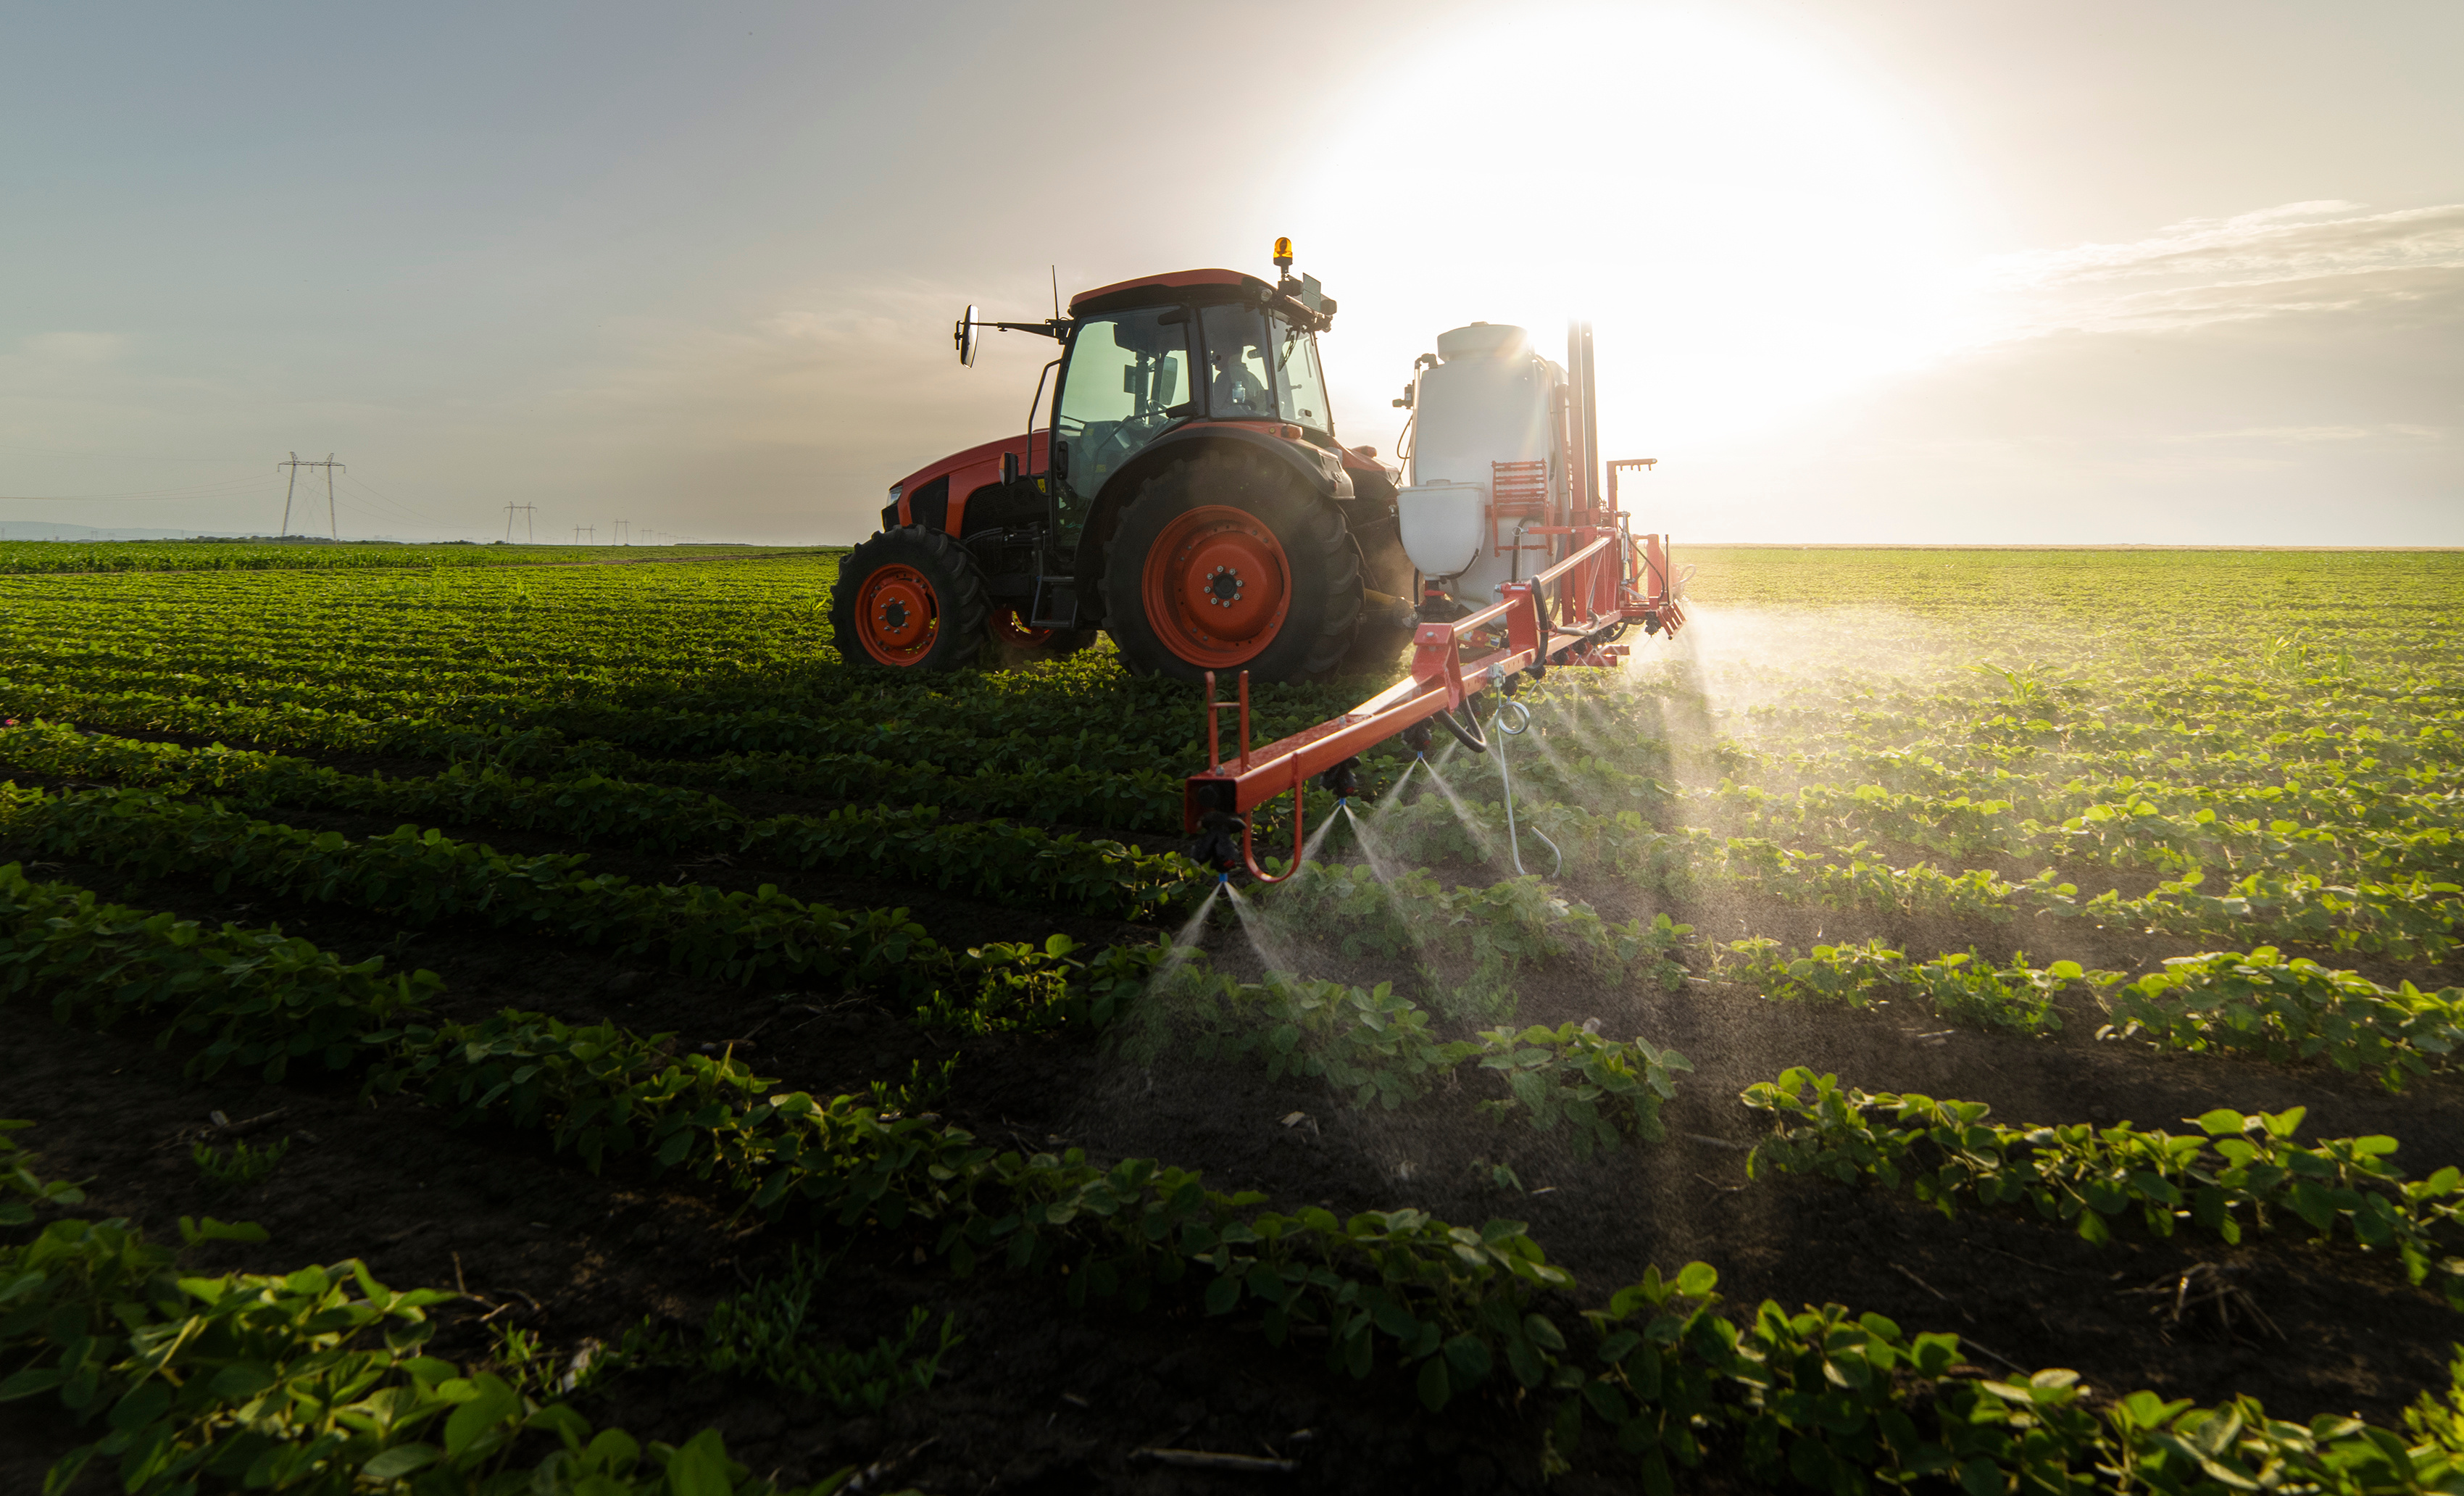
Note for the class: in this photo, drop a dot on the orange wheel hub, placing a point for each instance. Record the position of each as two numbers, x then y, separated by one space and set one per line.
1217 586
1009 627
898 615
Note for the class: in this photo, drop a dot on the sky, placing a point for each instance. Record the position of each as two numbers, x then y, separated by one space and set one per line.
1881 270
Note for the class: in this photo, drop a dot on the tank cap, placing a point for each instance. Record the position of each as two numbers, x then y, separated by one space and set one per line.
1482 340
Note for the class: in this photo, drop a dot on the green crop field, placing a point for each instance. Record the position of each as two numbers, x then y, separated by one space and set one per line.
1977 1019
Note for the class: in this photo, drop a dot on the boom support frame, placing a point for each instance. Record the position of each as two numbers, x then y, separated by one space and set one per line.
1610 580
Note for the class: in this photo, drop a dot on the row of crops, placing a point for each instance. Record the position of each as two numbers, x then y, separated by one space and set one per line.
2214 847
255 1374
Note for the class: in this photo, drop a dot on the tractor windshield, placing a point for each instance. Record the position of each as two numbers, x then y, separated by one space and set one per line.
1235 365
1299 390
1126 378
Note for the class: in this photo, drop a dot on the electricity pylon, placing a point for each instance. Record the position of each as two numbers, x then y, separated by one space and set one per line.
332 528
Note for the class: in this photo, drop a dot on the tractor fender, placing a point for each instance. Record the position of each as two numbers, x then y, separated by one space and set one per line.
1324 471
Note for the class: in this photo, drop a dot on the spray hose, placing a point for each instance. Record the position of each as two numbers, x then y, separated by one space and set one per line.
1506 782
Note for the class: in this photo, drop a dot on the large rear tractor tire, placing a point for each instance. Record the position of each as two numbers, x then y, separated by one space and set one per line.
908 598
1226 561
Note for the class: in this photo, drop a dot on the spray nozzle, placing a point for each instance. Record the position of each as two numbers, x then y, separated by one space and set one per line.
1343 781
1219 847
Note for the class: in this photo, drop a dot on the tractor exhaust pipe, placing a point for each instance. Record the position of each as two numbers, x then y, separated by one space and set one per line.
1586 434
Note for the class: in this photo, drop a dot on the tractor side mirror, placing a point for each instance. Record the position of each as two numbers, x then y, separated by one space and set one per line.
964 336
1009 468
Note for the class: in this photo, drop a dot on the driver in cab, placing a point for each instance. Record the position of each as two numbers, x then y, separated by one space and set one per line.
1240 385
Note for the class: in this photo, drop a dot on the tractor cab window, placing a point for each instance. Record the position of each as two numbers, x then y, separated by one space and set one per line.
1237 344
1127 378
1299 390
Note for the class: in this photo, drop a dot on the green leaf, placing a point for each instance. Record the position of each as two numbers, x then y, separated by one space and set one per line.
493 1403
144 1403
1223 1293
1469 1356
398 1462
700 1467
1981 1477
1359 1355
30 1382
192 1232
1396 1320
1542 1332
1523 1362
242 1379
1434 1385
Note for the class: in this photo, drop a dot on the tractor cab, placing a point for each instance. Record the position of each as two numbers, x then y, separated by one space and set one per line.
1146 357
1186 494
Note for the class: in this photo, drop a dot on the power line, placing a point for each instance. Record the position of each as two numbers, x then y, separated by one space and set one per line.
419 515
530 533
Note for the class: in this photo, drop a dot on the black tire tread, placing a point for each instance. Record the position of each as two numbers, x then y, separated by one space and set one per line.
958 582
1320 533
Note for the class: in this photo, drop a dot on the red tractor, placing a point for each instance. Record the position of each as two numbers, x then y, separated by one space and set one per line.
1188 496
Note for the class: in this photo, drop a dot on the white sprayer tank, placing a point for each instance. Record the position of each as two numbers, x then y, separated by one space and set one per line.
1489 399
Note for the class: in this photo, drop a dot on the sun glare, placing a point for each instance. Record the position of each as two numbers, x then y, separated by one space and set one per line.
1749 224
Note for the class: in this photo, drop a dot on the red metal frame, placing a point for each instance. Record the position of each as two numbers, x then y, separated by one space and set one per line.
1166 283
1517 491
971 470
1608 580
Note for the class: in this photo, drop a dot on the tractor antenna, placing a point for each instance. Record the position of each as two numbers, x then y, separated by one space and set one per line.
1056 291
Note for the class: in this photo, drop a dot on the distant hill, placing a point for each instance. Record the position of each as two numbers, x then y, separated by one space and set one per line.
47 530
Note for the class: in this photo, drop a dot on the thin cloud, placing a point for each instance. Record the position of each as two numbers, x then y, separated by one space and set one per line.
75 347
2295 239
2324 257
2396 429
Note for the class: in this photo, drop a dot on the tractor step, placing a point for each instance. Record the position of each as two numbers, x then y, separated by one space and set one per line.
1056 603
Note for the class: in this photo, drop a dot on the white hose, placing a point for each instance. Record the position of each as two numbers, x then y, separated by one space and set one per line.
1505 781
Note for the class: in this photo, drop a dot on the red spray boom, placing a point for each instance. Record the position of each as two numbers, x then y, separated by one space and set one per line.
1570 614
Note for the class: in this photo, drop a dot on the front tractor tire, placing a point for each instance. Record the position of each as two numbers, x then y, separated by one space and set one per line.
1226 561
908 598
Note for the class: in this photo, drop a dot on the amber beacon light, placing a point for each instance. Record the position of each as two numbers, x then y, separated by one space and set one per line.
1283 253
